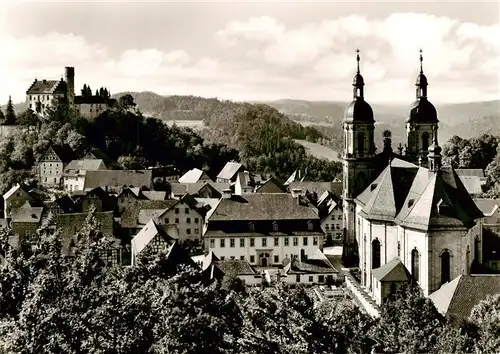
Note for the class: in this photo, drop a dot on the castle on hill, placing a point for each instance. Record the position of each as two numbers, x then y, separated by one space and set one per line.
405 214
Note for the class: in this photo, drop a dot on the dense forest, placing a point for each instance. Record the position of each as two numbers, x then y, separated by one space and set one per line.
55 304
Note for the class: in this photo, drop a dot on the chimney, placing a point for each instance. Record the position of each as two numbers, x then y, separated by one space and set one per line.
296 192
226 194
69 77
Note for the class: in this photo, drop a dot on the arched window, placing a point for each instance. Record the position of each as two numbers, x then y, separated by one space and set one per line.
425 141
361 144
445 267
415 264
476 249
375 254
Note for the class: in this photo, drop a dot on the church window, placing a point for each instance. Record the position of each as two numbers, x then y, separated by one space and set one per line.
415 264
361 144
445 267
375 254
425 141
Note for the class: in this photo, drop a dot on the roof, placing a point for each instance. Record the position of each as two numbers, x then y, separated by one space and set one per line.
472 184
64 152
177 255
208 260
478 172
229 170
271 186
359 111
312 187
114 178
14 189
27 213
194 188
244 179
145 215
317 263
487 205
422 111
263 206
130 215
45 87
457 298
147 234
65 203
235 267
193 176
154 195
392 271
86 165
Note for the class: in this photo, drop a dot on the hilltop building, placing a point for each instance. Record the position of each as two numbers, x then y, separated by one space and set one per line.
407 205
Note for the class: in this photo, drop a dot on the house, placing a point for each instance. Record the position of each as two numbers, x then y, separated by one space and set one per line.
75 171
117 179
127 196
263 229
332 220
62 205
313 190
52 164
199 189
165 174
152 237
44 94
194 175
244 183
271 185
99 198
229 172
93 106
457 298
213 268
129 221
472 172
26 220
313 269
14 198
491 209
296 176
388 278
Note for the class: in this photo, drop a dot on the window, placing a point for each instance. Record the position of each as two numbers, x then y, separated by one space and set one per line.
222 243
276 241
176 220
425 141
186 210
445 267
311 279
297 278
276 259
242 258
310 225
222 258
415 264
295 241
252 259
196 231
321 278
242 242
275 226
212 243
232 258
188 220
375 254
196 220
340 217
327 226
231 242
177 210
304 241
315 241
361 144
264 242
252 242
188 231
286 241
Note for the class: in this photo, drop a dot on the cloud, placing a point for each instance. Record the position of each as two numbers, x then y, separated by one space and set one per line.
264 58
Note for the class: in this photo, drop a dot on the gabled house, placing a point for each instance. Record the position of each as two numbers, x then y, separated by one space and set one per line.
313 269
26 220
213 268
153 237
115 180
52 164
62 205
229 172
332 221
271 185
75 171
129 221
388 278
127 196
99 198
243 183
194 175
14 198
43 94
200 189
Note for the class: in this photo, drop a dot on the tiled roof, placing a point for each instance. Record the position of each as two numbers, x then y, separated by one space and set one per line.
193 176
116 178
155 195
261 206
27 213
194 188
457 298
229 170
472 184
291 178
476 172
208 260
86 165
130 215
487 205
177 255
392 271
64 152
315 264
146 235
312 187
14 189
45 87
235 267
145 215
272 185
66 204
290 233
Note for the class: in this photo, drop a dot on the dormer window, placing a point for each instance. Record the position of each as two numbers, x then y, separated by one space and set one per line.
275 226
443 208
411 202
251 227
310 225
373 186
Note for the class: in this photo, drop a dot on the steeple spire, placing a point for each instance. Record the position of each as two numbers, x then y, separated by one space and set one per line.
358 82
421 60
421 80
357 59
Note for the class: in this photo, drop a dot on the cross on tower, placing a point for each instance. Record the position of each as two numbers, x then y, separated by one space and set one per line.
421 60
357 59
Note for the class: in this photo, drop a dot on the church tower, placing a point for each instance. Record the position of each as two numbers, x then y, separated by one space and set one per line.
422 121
358 156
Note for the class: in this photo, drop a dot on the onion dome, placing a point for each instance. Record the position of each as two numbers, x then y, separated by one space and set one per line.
358 111
422 110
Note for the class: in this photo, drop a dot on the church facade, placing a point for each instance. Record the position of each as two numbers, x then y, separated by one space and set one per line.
405 208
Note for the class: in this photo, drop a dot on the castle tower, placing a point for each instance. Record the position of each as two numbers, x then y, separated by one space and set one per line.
358 155
69 77
422 121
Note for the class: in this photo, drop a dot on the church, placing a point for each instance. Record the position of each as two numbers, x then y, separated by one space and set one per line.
404 212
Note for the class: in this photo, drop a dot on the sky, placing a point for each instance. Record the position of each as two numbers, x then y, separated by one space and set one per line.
255 50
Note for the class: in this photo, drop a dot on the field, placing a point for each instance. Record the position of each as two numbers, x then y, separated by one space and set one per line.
320 151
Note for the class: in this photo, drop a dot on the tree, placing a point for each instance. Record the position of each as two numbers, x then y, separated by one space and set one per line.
126 101
2 117
10 114
485 316
28 118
